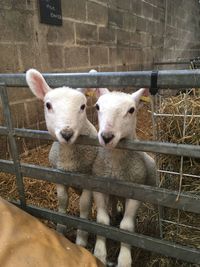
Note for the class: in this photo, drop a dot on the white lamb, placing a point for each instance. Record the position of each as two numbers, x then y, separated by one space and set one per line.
65 115
117 120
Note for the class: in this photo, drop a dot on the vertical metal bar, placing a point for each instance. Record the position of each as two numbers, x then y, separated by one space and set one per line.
154 105
12 143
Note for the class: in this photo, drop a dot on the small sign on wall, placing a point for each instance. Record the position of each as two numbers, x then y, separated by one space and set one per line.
50 12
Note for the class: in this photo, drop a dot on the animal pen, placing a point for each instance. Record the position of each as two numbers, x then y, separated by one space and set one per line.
172 198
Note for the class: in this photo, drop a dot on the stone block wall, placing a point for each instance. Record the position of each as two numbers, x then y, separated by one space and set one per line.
108 35
104 34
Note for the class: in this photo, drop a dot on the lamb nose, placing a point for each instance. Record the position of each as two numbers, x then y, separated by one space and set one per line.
107 137
67 134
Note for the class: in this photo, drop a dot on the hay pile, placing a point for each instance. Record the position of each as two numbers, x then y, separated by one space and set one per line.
172 128
185 227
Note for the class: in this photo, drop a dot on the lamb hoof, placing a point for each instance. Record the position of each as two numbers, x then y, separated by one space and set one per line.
124 260
81 238
101 256
81 242
124 264
110 264
61 228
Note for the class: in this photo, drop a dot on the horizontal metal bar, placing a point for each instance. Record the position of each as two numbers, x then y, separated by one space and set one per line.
166 79
7 166
3 130
155 195
138 240
149 146
187 62
30 133
161 147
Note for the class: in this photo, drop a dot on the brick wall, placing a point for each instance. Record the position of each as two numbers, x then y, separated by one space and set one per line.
109 35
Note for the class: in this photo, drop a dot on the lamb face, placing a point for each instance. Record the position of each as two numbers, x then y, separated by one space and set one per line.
65 108
65 114
116 116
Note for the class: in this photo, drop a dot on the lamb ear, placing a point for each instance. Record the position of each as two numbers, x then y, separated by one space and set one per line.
101 91
137 95
83 90
93 71
37 83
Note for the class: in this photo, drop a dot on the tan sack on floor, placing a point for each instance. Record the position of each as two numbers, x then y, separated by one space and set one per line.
26 242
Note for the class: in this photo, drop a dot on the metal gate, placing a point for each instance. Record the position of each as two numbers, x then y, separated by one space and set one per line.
172 79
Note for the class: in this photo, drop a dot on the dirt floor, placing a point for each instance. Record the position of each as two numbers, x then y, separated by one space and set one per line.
43 194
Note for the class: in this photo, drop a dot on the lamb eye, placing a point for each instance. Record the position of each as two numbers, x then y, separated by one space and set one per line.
83 107
131 110
48 105
97 107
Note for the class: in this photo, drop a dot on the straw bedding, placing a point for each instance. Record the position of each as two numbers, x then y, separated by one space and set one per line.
43 194
184 227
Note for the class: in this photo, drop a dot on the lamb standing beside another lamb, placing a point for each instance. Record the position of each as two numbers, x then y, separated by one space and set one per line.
117 120
65 116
